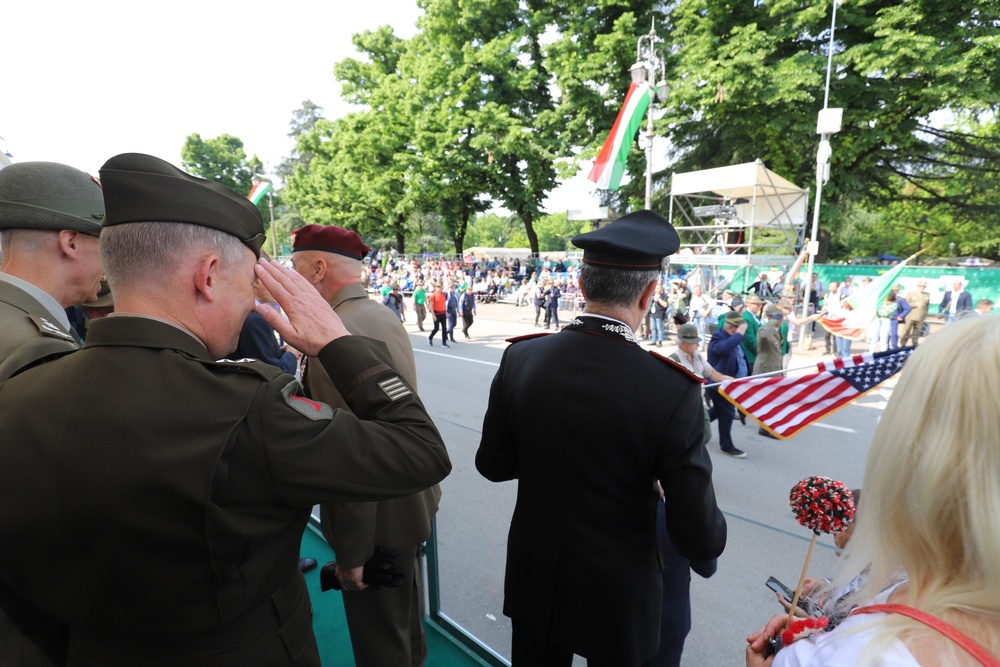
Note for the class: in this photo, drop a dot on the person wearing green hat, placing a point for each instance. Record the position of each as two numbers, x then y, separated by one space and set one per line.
51 218
159 492
50 222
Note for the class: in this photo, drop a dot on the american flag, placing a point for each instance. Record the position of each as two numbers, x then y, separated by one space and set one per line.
785 405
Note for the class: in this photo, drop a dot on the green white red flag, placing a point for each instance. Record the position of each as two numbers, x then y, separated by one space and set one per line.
863 305
610 164
257 192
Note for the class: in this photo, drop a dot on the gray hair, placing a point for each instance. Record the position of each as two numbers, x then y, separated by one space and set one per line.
614 287
145 253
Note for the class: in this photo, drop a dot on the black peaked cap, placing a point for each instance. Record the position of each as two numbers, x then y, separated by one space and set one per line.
638 241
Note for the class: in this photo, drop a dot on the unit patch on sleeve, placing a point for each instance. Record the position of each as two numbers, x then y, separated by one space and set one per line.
311 409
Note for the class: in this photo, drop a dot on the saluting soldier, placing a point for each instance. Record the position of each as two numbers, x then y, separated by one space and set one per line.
50 221
157 496
385 624
586 495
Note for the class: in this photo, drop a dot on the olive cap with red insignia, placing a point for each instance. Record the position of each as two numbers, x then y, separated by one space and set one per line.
143 188
638 241
49 195
329 238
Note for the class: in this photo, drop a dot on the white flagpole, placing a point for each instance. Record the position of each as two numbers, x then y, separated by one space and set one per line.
764 375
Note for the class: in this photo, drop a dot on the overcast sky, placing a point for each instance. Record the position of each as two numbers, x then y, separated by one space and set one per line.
83 81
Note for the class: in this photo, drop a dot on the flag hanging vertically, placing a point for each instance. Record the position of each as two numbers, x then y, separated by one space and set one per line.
785 405
864 303
609 167
257 192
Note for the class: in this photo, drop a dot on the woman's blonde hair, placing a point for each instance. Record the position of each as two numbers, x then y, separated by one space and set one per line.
932 481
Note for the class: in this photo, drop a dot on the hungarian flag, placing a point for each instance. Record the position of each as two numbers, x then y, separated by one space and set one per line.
610 164
257 192
863 305
784 405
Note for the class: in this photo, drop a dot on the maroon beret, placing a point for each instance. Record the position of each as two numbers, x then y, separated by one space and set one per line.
331 239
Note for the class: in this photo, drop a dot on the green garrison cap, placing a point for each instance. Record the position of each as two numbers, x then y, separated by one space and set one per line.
638 241
48 195
143 188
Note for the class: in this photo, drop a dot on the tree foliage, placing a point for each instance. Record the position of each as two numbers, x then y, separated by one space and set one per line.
490 101
750 81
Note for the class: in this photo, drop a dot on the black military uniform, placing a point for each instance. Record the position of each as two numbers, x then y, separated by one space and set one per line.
583 565
159 496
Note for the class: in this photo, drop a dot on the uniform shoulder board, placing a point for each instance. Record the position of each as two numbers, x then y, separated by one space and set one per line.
518 339
679 366
34 352
50 329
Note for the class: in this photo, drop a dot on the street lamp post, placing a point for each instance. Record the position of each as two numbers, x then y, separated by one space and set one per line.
827 123
648 63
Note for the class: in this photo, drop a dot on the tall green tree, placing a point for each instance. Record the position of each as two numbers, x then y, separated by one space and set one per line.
357 177
304 120
221 159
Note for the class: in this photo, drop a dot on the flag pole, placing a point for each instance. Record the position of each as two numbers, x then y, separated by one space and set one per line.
764 375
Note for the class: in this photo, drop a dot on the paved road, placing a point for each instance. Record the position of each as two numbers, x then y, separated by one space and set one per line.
764 538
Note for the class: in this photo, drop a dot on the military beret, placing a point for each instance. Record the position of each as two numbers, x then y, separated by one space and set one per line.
48 195
143 188
638 241
734 318
331 239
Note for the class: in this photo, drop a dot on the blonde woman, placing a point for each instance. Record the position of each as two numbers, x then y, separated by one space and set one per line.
928 535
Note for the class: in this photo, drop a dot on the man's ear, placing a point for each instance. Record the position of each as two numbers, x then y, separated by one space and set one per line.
579 283
69 242
320 269
647 295
206 276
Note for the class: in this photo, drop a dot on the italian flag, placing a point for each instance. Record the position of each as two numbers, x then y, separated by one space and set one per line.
863 305
610 164
257 192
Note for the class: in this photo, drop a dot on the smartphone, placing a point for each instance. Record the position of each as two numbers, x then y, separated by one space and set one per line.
789 594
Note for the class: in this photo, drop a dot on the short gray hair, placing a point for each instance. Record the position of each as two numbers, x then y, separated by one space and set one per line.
138 253
617 287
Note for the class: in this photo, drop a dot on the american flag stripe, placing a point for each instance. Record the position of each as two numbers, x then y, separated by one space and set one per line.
786 405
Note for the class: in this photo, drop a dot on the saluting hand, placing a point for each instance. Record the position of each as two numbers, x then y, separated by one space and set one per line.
311 323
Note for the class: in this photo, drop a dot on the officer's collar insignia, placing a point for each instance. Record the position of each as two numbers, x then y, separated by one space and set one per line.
51 329
602 327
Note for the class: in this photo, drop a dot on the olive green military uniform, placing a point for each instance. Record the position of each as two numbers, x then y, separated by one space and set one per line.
158 497
385 624
913 327
33 325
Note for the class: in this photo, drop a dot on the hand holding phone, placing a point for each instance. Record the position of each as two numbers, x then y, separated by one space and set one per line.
789 594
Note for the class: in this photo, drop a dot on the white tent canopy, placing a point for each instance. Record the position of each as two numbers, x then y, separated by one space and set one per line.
770 199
